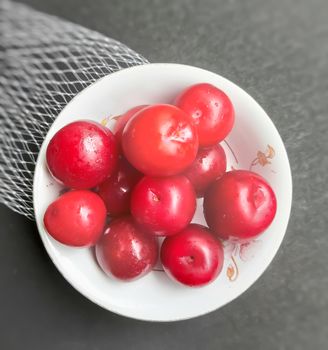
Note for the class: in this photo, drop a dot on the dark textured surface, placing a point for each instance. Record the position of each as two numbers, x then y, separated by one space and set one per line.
278 52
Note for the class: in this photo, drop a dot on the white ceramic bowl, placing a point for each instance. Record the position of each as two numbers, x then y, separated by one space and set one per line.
254 143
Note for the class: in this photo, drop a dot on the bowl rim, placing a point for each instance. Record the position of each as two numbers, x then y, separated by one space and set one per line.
79 287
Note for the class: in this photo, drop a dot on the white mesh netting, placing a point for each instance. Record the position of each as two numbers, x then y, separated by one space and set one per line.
44 62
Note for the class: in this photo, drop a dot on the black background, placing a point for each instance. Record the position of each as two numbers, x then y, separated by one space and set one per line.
275 50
